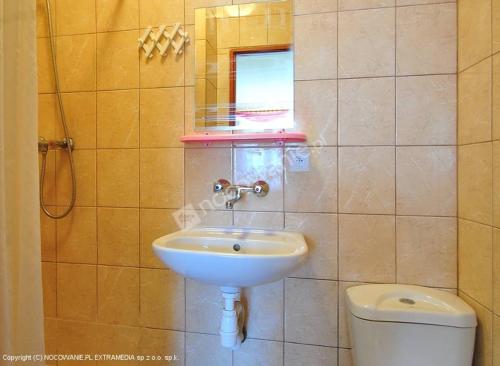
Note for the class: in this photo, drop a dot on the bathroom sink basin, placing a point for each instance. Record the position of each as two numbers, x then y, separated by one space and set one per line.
232 257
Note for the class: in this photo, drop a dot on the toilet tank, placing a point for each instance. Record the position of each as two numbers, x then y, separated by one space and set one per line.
395 325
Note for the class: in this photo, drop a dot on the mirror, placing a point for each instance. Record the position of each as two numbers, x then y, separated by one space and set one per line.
244 67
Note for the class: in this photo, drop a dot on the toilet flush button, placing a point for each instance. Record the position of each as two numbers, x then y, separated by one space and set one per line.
407 301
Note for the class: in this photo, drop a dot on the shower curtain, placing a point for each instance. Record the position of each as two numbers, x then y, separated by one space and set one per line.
21 308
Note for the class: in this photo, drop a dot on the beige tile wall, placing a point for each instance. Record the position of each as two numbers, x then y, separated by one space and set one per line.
479 170
375 92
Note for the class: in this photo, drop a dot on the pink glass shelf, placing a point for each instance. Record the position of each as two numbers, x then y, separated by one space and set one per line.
246 137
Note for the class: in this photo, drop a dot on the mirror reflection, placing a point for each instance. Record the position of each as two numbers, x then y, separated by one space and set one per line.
244 67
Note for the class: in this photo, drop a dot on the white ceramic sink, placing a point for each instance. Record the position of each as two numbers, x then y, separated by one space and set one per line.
231 257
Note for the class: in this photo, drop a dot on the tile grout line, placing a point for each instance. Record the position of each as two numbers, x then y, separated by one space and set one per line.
437 216
139 168
395 234
55 194
457 248
288 145
296 80
283 186
283 167
329 280
184 194
337 218
399 6
95 209
492 79
97 90
476 63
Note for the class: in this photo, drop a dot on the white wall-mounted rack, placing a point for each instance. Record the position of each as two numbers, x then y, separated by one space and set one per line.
162 40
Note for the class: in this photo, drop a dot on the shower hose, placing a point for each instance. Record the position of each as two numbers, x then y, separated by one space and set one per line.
66 144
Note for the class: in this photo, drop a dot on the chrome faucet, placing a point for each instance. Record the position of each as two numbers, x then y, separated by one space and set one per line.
259 188
46 145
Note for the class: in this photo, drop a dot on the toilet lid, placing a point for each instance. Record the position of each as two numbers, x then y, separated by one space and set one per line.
409 304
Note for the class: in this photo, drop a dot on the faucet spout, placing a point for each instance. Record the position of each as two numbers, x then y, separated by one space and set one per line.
236 190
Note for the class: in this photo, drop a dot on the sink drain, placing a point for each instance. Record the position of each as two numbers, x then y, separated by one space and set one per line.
236 247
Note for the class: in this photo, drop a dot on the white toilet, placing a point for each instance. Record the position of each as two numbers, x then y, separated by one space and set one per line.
400 325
